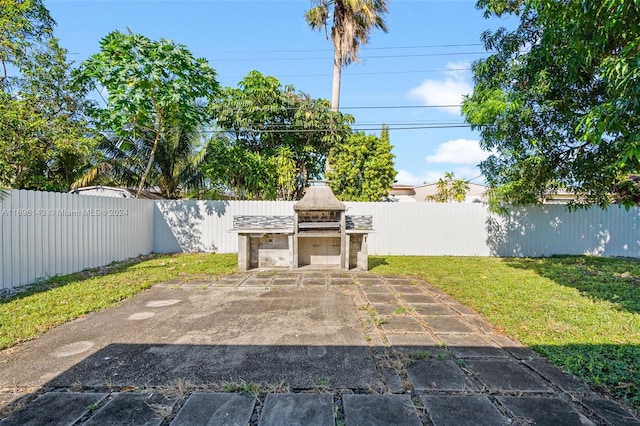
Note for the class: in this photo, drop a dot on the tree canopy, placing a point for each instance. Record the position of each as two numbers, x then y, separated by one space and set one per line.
150 85
271 139
559 101
362 167
44 139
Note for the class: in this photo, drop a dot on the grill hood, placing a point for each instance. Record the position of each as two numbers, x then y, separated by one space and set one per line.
318 198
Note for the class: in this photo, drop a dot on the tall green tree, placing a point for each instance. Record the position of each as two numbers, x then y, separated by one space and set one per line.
352 22
151 85
271 139
362 167
175 172
450 189
44 138
23 25
558 101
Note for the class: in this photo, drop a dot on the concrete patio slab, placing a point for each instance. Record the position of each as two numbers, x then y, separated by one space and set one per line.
380 410
472 346
314 282
297 409
543 411
480 324
339 281
417 298
215 409
307 351
559 378
387 309
135 409
413 343
382 298
407 288
376 289
441 375
203 336
55 408
448 324
463 410
431 309
610 412
505 375
405 324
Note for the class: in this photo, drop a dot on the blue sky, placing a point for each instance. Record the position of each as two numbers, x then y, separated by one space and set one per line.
404 77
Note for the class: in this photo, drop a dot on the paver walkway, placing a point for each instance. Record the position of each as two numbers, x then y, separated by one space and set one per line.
290 348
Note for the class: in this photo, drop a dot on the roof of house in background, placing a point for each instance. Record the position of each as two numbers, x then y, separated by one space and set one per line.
110 191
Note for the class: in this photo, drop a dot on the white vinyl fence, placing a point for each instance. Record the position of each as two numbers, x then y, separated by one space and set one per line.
44 234
424 229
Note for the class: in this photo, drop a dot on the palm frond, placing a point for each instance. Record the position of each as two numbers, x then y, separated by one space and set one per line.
4 193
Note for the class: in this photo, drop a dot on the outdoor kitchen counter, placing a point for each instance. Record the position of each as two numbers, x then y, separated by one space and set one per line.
268 241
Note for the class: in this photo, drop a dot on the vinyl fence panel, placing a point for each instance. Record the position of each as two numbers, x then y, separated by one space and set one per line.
552 229
426 229
205 226
423 229
45 234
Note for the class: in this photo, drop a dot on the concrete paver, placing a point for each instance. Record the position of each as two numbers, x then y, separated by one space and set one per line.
55 408
134 409
380 410
556 376
471 346
611 413
543 411
431 309
297 409
402 323
417 298
505 375
215 409
448 324
438 374
302 342
463 410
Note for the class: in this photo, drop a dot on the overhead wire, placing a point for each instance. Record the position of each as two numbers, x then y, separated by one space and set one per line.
408 125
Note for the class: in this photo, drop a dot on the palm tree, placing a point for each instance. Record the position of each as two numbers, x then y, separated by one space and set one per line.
352 22
459 189
450 189
174 169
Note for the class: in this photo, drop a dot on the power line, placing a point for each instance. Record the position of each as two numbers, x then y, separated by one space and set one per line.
364 58
328 74
401 107
364 49
326 130
359 107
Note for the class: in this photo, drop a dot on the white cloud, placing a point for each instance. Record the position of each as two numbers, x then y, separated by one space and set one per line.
407 178
459 151
473 173
458 70
448 91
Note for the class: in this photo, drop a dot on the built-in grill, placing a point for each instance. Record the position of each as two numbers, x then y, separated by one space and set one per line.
319 223
319 234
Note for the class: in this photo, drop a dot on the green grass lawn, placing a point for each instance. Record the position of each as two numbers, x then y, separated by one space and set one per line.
582 313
